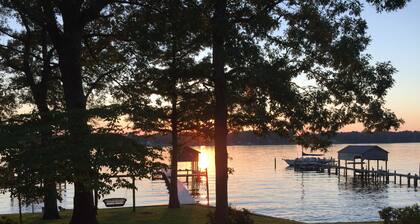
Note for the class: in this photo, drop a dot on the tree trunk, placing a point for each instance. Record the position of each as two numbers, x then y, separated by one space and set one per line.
84 210
39 93
173 187
50 202
220 138
70 67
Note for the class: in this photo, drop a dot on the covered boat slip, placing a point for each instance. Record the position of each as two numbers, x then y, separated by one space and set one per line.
359 157
358 154
369 164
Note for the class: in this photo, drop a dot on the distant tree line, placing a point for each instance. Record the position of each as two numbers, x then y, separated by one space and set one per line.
251 138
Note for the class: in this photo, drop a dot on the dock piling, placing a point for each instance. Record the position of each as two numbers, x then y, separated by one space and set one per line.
275 163
395 176
408 179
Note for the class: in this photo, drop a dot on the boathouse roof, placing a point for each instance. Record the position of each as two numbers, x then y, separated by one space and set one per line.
188 154
365 152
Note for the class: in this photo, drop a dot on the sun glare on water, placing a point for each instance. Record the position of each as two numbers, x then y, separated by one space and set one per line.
203 160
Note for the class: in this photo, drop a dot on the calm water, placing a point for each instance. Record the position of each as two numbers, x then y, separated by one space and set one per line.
255 185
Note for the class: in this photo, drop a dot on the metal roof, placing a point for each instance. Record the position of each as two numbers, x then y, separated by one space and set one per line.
366 152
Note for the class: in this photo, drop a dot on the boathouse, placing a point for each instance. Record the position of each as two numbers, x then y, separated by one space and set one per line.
358 154
189 155
363 152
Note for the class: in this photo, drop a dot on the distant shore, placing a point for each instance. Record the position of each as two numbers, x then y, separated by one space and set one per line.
249 138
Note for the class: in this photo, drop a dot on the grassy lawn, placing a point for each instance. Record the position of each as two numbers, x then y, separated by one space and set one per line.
191 214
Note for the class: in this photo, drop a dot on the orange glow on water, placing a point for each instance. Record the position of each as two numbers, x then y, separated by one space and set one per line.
204 158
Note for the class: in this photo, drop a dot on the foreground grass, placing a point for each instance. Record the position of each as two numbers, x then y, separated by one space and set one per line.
187 214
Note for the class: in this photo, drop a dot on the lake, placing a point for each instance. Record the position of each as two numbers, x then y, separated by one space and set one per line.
282 192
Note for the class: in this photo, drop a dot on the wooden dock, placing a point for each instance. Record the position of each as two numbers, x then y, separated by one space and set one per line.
185 195
360 160
378 176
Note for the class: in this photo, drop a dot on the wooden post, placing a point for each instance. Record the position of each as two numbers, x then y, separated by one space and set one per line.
400 180
354 168
275 163
207 187
408 179
345 170
337 169
134 192
187 178
373 174
387 176
415 180
362 169
395 176
382 175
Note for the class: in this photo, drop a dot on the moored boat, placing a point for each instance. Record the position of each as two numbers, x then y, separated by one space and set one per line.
308 161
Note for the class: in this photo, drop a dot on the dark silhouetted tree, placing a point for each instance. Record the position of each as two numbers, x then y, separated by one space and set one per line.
260 48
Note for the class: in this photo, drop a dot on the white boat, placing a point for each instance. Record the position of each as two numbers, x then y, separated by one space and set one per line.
308 160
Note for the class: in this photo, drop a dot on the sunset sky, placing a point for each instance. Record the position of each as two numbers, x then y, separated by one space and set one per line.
396 38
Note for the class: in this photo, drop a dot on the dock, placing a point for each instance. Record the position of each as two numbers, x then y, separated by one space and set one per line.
375 176
367 164
184 196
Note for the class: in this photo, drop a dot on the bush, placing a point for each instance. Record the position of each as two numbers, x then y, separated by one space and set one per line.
407 215
4 220
235 216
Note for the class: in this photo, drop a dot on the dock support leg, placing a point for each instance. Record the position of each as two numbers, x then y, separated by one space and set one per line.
354 168
337 169
345 171
395 176
207 187
409 179
415 180
275 163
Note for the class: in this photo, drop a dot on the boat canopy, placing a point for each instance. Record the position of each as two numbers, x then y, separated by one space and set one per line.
364 152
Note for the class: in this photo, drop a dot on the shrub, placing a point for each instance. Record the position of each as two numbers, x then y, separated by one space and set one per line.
407 215
4 220
235 216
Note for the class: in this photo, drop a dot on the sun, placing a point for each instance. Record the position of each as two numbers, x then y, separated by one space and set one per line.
203 160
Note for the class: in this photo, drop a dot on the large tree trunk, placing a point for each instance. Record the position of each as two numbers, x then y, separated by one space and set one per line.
70 67
50 190
220 138
173 187
50 202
